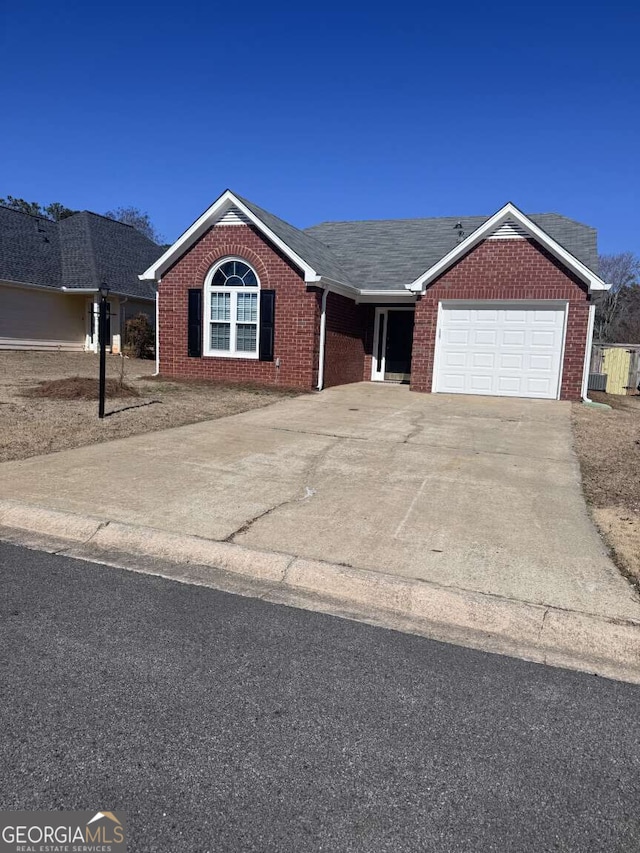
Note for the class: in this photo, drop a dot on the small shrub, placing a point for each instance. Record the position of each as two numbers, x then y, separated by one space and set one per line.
139 337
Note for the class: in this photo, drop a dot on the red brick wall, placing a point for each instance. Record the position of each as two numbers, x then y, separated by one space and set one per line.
297 314
504 269
344 343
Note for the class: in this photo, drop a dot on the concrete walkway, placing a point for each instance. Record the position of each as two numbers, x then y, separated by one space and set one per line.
469 493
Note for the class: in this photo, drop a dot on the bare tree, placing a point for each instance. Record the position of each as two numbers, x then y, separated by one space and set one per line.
137 219
622 271
626 327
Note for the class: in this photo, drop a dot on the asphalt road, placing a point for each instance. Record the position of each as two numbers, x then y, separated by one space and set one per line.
220 723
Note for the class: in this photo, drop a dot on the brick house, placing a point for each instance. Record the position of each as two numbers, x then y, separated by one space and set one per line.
499 306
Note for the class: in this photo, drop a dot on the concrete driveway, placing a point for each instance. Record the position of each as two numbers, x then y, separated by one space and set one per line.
478 493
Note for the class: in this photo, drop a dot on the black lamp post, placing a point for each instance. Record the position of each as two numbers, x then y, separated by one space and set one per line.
102 343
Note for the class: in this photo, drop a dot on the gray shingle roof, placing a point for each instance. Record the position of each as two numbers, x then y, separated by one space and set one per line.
81 251
387 254
29 249
312 250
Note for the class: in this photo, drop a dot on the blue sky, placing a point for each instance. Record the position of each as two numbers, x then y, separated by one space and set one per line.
326 111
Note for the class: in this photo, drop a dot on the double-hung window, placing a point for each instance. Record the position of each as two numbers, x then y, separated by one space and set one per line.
232 308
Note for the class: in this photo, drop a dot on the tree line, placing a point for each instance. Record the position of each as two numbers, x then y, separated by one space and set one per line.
618 309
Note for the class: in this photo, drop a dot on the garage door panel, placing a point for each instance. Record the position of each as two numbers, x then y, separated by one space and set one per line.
541 339
509 385
514 337
540 362
539 387
511 351
454 381
515 316
485 316
480 384
483 359
485 337
511 361
455 359
457 337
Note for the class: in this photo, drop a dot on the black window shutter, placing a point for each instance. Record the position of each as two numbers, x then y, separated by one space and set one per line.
267 323
194 323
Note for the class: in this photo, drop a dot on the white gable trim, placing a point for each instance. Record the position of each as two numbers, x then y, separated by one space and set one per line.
212 215
495 222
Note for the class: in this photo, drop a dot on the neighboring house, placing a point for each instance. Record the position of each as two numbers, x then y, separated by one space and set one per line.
50 273
498 305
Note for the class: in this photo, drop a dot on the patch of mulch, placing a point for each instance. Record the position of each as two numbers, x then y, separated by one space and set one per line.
79 388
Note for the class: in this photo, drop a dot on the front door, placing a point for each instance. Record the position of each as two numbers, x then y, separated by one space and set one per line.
399 345
393 342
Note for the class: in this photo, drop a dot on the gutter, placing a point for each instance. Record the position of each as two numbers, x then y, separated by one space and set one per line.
323 336
587 355
120 295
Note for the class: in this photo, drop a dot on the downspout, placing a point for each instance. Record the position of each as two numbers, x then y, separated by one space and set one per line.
323 335
587 355
157 373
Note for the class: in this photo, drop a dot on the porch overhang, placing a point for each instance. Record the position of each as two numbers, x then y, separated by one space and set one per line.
372 296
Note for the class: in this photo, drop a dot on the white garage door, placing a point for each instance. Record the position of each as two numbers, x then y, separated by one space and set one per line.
509 351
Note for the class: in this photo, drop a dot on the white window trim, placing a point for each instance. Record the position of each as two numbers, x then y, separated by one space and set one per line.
207 351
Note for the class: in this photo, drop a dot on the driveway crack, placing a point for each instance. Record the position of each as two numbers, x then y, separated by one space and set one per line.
86 541
417 423
300 495
544 619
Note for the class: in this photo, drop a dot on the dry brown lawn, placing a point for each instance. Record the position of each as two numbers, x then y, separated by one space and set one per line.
31 422
608 446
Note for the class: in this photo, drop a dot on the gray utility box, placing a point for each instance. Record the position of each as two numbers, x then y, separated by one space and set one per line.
598 381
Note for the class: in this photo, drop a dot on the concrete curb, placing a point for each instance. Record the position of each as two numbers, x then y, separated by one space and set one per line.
583 641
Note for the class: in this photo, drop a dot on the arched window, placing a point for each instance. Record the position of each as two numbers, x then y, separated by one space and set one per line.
232 308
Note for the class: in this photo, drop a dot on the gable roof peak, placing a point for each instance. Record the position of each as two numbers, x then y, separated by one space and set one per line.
304 250
508 212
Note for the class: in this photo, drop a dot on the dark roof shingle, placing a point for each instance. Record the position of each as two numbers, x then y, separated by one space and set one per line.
80 251
312 250
29 249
